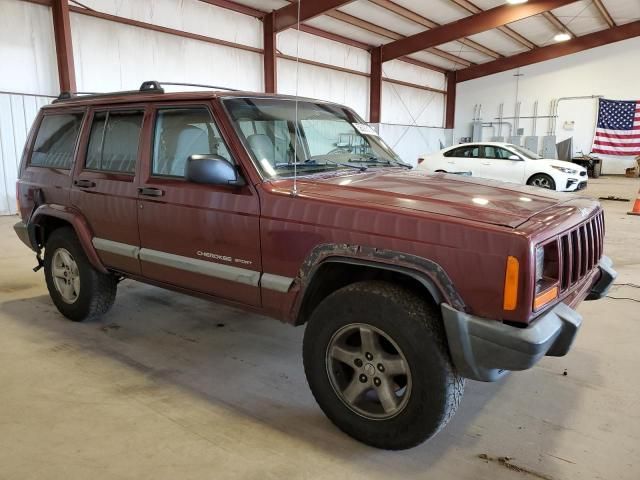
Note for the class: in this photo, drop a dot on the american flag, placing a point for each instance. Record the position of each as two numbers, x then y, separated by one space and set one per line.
618 129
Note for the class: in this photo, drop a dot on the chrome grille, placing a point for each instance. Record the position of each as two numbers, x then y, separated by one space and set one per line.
581 249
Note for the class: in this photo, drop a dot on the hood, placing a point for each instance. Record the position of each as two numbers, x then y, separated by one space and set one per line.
467 198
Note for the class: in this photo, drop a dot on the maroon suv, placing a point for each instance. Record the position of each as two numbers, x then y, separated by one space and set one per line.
296 209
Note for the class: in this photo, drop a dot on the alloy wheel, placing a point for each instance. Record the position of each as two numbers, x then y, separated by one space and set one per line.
368 371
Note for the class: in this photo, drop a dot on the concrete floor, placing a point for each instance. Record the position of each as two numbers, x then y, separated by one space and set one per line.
167 386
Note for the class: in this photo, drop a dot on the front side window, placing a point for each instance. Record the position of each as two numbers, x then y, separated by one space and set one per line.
318 137
491 151
114 140
182 132
56 141
526 153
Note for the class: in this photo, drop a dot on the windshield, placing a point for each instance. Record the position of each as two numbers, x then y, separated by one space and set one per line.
329 137
525 152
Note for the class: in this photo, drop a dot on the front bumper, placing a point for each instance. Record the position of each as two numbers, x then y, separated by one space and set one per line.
483 349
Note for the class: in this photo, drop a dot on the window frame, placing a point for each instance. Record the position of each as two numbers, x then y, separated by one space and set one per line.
89 127
156 108
75 151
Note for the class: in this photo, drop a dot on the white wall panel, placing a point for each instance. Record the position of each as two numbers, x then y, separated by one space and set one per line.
411 106
192 16
411 142
612 70
325 84
111 56
17 113
318 49
408 72
27 52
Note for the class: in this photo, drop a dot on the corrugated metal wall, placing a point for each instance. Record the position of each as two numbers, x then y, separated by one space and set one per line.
17 112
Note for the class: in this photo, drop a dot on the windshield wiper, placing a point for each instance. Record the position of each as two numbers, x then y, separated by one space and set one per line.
380 161
362 168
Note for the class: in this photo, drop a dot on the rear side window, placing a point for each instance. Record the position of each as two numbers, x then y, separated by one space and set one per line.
464 152
113 143
56 141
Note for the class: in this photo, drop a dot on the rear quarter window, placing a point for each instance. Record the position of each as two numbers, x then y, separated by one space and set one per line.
56 141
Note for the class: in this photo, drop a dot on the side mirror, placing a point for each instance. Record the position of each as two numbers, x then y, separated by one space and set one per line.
212 170
514 157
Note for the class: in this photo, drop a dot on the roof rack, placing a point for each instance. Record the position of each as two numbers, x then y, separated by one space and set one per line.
150 86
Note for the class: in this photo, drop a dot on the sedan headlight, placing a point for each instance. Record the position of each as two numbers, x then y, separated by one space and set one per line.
565 170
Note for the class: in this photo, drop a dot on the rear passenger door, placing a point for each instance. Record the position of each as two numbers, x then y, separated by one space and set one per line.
463 159
199 237
105 184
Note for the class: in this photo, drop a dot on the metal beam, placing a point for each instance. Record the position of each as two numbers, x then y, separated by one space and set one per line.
270 52
384 32
425 22
64 47
480 22
375 86
604 13
287 17
158 28
508 31
597 39
555 21
450 109
236 7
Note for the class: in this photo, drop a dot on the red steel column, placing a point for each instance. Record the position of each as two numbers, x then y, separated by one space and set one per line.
270 66
64 47
450 112
375 86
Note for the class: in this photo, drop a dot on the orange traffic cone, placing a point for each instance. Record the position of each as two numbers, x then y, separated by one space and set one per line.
636 206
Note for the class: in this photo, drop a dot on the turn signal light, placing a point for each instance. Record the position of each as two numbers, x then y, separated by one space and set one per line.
545 297
511 278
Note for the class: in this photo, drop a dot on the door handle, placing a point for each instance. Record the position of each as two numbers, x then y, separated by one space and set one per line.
486 163
150 191
84 183
452 162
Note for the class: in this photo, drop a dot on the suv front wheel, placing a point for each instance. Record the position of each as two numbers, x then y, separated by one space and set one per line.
377 362
77 289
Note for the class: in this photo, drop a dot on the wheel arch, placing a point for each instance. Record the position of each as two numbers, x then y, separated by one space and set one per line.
546 174
47 218
333 272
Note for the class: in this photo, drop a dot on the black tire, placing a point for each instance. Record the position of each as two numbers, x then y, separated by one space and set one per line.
96 292
542 180
416 328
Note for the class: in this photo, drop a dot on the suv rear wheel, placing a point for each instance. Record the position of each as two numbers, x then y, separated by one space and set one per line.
77 289
376 360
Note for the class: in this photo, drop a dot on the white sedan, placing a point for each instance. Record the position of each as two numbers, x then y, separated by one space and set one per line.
508 163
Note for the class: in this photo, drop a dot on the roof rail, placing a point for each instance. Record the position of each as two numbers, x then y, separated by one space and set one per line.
149 86
194 85
146 87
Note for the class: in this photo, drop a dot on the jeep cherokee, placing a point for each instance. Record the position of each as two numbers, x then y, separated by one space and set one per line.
296 209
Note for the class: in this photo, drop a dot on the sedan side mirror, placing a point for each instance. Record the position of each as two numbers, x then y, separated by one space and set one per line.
212 170
514 157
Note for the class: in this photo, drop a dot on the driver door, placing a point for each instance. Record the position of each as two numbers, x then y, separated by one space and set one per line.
498 165
199 237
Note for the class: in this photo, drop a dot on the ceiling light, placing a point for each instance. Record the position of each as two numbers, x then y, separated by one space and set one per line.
562 37
516 2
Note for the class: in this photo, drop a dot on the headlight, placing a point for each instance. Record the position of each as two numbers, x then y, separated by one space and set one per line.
547 269
565 170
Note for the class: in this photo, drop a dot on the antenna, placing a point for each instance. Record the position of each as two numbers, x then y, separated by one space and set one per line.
294 190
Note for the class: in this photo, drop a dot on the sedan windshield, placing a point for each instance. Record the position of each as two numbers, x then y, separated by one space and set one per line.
526 152
329 137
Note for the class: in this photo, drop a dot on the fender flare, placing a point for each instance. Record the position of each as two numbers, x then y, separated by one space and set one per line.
77 222
427 272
